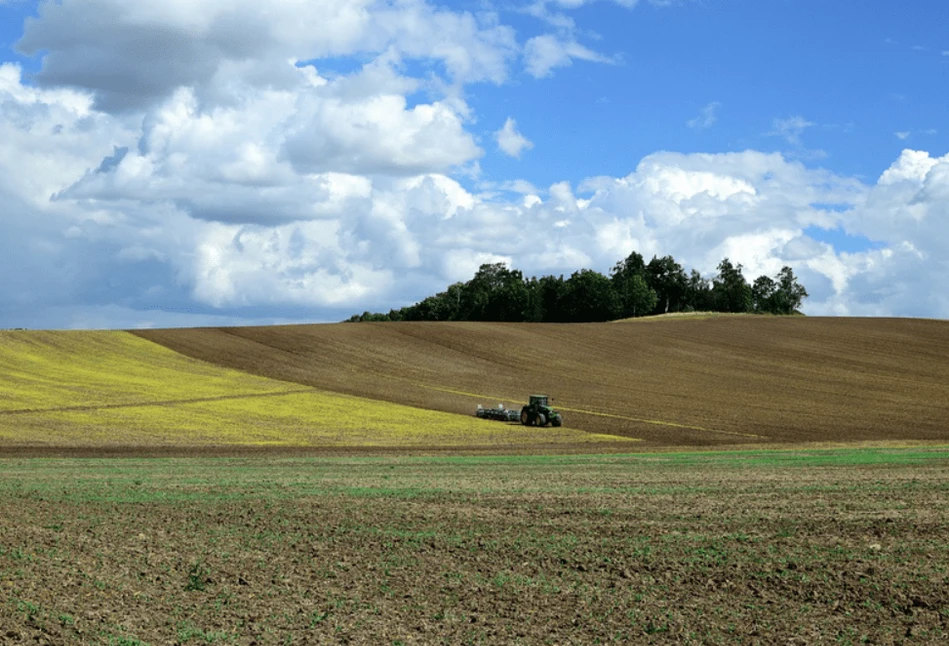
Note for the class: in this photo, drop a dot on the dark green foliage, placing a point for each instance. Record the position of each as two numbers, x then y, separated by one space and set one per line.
763 294
668 279
496 293
790 293
631 266
730 291
590 297
782 295
698 294
634 288
636 296
551 299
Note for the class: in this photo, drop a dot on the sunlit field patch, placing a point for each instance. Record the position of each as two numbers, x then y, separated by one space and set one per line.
46 370
112 388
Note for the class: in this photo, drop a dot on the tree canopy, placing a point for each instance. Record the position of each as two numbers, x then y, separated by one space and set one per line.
633 288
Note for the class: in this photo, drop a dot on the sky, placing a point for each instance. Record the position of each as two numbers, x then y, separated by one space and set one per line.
213 162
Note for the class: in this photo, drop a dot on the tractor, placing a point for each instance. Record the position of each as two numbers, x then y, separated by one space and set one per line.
538 413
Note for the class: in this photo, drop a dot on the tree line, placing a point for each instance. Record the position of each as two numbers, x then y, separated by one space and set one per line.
633 288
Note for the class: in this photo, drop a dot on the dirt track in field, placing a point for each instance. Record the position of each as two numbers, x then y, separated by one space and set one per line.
670 382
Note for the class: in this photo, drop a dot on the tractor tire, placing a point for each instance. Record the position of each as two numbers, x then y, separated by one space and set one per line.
525 418
541 419
557 422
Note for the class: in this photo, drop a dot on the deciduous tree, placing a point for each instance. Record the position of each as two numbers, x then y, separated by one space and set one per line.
730 290
668 279
590 297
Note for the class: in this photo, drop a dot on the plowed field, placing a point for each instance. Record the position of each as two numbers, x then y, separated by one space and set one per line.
759 545
768 547
669 382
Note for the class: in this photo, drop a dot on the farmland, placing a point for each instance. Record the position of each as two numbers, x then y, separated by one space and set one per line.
718 480
363 388
112 390
718 381
842 546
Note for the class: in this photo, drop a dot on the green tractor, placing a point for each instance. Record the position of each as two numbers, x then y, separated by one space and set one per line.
539 413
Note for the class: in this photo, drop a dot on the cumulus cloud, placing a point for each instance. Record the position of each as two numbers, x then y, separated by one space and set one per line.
302 263
139 230
902 135
133 54
378 135
250 181
510 141
707 117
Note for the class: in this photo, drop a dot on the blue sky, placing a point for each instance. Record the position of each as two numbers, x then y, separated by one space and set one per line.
858 76
302 162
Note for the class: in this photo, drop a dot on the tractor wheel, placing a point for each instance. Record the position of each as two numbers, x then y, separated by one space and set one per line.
525 418
541 419
557 421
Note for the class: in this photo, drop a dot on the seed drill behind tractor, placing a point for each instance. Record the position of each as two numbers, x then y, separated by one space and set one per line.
537 412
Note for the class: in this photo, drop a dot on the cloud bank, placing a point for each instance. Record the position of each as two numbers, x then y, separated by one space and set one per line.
187 164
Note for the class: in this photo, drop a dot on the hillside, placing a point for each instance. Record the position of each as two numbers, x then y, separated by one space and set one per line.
112 390
682 381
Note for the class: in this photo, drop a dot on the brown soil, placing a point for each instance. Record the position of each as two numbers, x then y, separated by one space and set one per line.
580 551
675 382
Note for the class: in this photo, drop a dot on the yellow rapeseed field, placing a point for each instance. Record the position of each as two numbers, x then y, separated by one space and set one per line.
113 388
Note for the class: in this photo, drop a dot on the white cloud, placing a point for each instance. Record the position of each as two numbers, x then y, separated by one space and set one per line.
380 134
544 53
151 49
377 241
510 141
751 207
902 135
280 156
707 117
791 129
912 166
301 263
210 189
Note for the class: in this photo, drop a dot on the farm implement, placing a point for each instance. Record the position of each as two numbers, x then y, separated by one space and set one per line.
537 412
500 413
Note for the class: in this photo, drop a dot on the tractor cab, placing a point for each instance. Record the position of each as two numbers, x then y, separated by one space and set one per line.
538 400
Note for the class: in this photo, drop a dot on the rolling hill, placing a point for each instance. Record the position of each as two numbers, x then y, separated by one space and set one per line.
115 391
688 381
